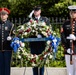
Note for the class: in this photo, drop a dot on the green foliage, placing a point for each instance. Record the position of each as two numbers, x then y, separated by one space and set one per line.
54 8
5 4
60 9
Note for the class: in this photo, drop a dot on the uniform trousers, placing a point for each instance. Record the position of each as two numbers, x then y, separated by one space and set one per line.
71 68
38 71
5 60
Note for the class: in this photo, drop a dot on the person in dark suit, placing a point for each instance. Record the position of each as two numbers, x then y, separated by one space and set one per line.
39 46
5 39
68 39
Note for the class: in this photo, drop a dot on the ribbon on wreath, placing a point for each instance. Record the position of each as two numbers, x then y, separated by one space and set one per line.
15 44
55 42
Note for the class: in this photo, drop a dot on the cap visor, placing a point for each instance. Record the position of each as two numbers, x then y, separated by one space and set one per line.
36 9
3 13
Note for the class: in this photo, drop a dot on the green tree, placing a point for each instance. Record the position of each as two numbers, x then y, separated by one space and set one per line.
50 8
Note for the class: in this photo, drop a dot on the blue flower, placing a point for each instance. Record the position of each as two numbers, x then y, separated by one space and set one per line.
15 44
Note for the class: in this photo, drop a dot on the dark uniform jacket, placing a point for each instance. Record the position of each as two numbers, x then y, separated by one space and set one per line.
5 28
38 47
65 31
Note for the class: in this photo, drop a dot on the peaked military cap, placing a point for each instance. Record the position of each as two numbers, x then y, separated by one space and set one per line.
36 8
4 11
72 8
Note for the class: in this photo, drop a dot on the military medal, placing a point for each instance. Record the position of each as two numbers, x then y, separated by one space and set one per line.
6 28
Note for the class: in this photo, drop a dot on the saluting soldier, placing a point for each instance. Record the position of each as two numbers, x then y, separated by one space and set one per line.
68 37
39 46
5 39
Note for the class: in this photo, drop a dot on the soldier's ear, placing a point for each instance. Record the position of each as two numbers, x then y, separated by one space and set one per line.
40 11
70 14
7 15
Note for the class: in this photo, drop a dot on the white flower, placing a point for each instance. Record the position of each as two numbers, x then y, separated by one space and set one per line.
34 25
45 55
19 56
25 33
22 44
54 33
20 48
33 30
35 22
40 29
43 24
22 27
25 53
36 56
32 56
50 56
48 42
28 23
44 33
33 64
47 27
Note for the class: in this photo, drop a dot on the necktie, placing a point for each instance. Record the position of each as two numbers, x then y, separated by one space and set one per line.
36 19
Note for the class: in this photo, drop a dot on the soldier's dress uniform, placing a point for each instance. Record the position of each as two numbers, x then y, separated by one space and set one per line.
5 48
39 46
66 30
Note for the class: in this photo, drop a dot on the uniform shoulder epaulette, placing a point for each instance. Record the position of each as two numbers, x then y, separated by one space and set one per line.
67 21
45 17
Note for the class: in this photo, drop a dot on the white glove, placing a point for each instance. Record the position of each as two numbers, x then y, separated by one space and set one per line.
30 15
22 44
39 36
9 38
68 51
71 37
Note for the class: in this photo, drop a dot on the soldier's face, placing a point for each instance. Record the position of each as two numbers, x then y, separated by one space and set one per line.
73 14
3 17
37 13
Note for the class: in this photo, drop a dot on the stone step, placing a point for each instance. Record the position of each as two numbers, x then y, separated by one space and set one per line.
28 71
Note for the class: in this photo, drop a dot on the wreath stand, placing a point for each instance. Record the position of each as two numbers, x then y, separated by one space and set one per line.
36 39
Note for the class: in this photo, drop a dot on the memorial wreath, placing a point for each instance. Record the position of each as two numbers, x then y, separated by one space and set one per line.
40 30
